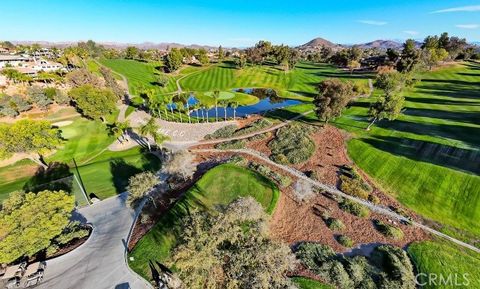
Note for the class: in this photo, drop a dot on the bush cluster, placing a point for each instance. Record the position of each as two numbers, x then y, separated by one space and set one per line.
282 180
253 127
231 145
388 230
292 144
73 231
353 208
232 130
13 105
345 241
388 267
335 224
260 137
224 132
353 184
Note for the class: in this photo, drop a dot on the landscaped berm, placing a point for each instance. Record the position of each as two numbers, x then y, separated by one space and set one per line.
219 186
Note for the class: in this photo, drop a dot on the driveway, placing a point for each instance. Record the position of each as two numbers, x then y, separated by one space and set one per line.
100 262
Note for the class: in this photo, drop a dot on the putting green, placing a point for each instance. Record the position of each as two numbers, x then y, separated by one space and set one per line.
222 95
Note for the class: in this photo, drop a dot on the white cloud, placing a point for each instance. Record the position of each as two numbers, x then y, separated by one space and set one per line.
373 22
410 32
472 8
467 26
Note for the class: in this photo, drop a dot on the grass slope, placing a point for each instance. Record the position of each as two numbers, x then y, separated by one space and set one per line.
298 83
446 260
219 186
429 157
140 75
104 173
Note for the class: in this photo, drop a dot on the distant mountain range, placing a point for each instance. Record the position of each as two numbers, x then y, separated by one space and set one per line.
313 44
381 44
321 42
119 45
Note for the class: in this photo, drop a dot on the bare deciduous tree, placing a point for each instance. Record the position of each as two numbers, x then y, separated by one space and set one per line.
181 164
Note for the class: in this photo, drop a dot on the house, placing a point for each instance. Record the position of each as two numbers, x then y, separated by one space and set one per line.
13 60
47 66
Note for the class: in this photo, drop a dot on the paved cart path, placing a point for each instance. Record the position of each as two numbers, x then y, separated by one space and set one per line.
100 262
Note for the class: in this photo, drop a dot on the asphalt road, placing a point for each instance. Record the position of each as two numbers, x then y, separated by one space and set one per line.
100 262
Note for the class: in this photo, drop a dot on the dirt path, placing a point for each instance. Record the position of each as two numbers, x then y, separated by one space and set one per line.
331 189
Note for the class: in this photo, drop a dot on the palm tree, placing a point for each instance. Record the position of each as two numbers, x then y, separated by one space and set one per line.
170 103
180 109
234 105
150 129
124 127
203 116
118 130
224 103
216 96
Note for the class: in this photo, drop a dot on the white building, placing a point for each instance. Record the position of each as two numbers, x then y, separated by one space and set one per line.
47 66
13 60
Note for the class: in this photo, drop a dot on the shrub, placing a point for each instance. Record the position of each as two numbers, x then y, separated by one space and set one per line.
345 241
374 199
335 224
52 249
282 180
353 187
260 137
71 232
387 267
312 175
388 230
231 145
292 144
400 211
61 97
224 132
253 127
353 208
13 105
39 97
238 160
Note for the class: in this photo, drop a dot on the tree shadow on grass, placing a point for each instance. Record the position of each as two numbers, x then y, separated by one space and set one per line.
465 134
55 177
344 74
453 91
472 117
443 155
428 100
456 82
121 171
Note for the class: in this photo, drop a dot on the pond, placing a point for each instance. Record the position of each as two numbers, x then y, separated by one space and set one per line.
268 101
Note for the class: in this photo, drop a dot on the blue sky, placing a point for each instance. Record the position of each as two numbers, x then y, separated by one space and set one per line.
236 23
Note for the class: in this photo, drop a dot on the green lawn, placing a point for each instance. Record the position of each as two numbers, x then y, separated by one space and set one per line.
298 83
305 283
218 186
104 173
428 158
108 174
447 260
140 75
